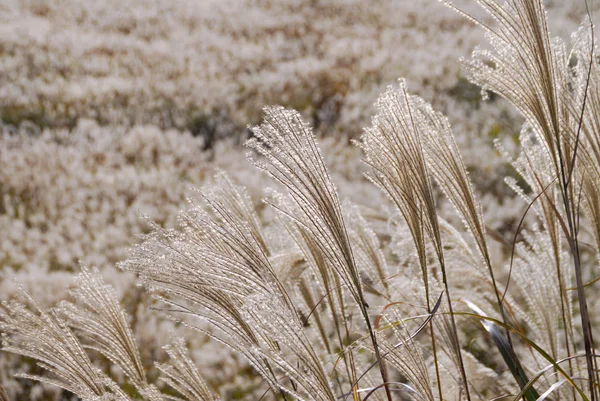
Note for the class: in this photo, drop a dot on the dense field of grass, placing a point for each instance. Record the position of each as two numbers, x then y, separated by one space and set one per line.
112 112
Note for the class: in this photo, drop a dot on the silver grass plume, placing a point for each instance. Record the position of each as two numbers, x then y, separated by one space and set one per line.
329 290
587 76
290 155
215 268
526 67
542 255
445 164
447 167
531 70
394 147
296 355
368 252
323 293
46 337
405 355
535 275
182 375
101 320
194 271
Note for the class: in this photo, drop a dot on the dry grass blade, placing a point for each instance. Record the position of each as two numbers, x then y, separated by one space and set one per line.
554 364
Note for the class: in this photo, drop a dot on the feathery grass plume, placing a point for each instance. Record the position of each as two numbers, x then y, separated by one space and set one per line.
525 66
187 271
102 321
182 375
542 254
368 253
446 166
46 337
290 154
234 200
406 356
296 356
535 276
293 159
534 165
587 76
314 310
325 299
329 289
531 70
213 268
394 148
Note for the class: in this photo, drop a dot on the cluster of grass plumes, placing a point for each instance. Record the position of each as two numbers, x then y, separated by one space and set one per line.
323 309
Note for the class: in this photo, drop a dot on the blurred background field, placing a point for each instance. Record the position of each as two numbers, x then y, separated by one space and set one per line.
113 110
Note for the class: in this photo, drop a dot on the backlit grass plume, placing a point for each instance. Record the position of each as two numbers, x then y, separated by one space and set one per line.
325 309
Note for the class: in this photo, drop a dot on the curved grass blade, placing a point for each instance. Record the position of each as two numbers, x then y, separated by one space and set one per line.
510 358
539 374
533 345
